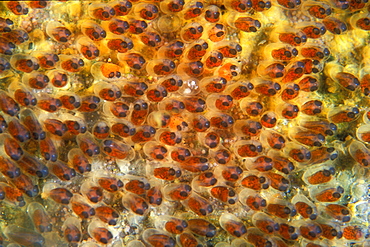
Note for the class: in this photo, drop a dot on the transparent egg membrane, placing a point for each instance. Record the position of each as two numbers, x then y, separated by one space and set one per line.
184 123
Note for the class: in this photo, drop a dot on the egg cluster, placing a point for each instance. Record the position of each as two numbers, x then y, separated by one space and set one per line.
184 123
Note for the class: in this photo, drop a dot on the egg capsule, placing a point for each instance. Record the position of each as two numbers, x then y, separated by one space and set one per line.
195 164
192 69
107 215
309 84
206 179
48 149
4 67
71 63
224 194
87 48
252 199
23 236
310 230
135 203
10 148
18 131
343 114
320 126
171 224
62 170
248 128
191 32
56 193
347 80
323 154
327 194
101 11
360 153
92 191
202 228
154 237
58 79
123 128
33 166
258 238
255 181
192 10
353 232
151 39
292 37
187 239
88 145
154 150
58 32
197 50
219 102
36 80
72 230
233 225
146 11
119 109
12 195
220 120
30 121
315 52
338 212
80 208
318 175
306 208
248 148
22 95
319 11
288 111
99 232
166 173
281 163
9 168
93 30
269 119
39 216
156 93
133 60
260 163
118 26
313 30
136 26
120 44
121 8
180 154
360 21
89 103
117 149
274 139
107 91
26 184
143 134
330 230
5 24
75 125
294 71
177 192
55 126
306 137
278 181
280 52
228 173
281 209
155 195
334 25
217 32
110 184
78 160
298 153
172 51
265 223
172 6
222 156
47 60
137 185
48 103
101 130
288 232
265 87
270 69
213 84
